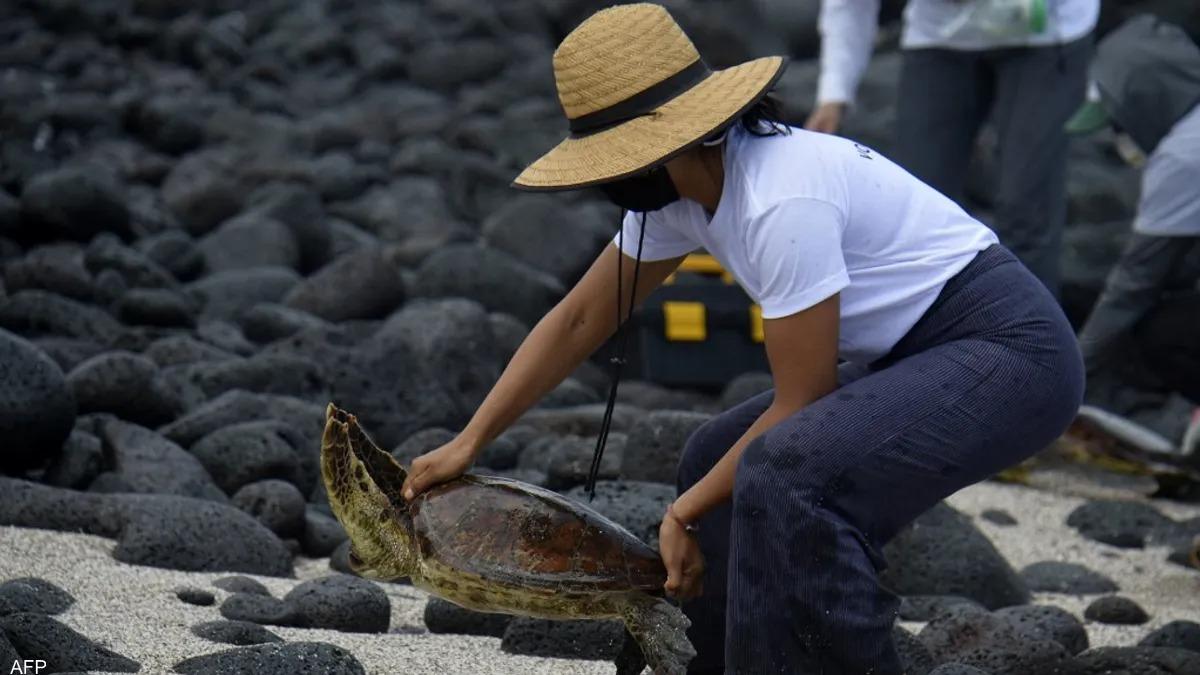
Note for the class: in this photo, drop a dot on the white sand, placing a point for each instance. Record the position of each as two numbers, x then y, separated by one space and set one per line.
133 610
1165 590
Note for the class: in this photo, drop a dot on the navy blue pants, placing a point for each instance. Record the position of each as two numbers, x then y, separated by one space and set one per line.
990 375
1027 94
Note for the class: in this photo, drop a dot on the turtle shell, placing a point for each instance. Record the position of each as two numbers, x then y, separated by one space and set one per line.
519 534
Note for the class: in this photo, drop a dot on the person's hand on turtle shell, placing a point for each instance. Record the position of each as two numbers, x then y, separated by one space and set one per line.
437 466
681 556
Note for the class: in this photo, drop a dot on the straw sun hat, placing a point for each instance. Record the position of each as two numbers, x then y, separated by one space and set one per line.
636 93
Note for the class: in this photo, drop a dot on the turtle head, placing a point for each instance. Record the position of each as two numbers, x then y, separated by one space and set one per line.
363 483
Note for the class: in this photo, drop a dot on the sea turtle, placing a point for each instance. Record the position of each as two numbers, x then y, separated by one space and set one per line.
494 544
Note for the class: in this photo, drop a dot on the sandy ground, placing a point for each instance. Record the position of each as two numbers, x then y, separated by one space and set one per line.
133 609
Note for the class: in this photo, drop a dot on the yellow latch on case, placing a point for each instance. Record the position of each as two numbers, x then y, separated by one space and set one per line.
756 324
684 321
703 263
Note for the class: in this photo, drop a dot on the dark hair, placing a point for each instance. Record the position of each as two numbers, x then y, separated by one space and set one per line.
764 118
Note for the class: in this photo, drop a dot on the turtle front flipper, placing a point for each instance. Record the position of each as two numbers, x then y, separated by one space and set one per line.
661 630
383 469
365 499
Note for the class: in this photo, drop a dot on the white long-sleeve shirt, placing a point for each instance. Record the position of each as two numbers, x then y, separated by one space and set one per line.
848 29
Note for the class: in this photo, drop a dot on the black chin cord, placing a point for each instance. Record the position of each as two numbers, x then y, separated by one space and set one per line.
618 360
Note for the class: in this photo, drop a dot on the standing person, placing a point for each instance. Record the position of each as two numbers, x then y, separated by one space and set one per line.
960 363
1021 62
1146 77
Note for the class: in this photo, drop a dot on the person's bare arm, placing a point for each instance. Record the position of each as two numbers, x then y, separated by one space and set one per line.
568 334
802 352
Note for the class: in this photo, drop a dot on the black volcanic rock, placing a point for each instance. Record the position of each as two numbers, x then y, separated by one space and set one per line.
1125 524
655 444
635 505
58 269
141 460
234 407
566 461
168 123
68 352
32 594
164 531
743 387
227 294
260 609
494 279
175 251
914 657
443 616
262 373
957 669
998 517
29 504
1114 609
361 284
37 636
175 350
440 351
926 607
248 241
943 553
1138 660
1047 622
269 321
196 596
341 602
37 312
107 253
585 639
444 66
291 658
156 307
977 638
75 203
124 384
81 460
37 411
1180 634
241 454
1060 577
544 232
298 207
240 633
224 335
275 503
195 535
322 534
8 653
201 191
239 583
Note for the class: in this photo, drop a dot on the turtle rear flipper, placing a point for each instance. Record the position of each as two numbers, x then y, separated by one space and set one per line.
661 630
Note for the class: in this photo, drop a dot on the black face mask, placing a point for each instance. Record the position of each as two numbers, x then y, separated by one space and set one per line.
648 191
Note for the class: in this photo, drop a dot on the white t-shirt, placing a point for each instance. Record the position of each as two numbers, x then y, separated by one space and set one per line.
848 29
806 215
1170 201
